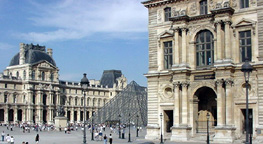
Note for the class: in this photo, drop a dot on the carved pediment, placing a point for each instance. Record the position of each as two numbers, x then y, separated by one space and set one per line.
45 64
245 22
166 34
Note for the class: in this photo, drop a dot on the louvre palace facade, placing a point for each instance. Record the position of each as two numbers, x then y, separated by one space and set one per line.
196 50
31 91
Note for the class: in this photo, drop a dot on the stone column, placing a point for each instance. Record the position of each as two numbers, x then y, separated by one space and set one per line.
184 103
24 113
229 102
51 98
39 115
50 117
78 115
184 49
15 115
176 104
6 114
218 41
220 104
72 115
227 40
30 114
176 47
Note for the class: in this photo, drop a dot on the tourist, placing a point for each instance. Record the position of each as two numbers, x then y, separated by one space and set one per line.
110 139
3 136
105 139
23 142
8 138
37 139
12 140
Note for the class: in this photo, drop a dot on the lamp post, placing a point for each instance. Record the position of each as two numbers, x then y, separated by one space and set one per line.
137 129
161 116
92 135
84 85
207 117
247 69
119 126
251 128
129 140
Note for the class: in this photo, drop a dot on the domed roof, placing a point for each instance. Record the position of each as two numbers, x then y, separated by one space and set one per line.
32 56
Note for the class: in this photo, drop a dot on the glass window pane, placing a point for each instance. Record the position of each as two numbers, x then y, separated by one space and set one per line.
248 41
241 34
208 46
208 58
248 33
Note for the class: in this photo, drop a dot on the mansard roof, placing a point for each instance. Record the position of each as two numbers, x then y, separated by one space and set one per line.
109 77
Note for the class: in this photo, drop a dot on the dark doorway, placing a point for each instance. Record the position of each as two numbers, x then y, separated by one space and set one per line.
2 114
11 115
68 115
44 99
168 120
81 115
45 116
19 115
75 115
250 120
34 116
87 115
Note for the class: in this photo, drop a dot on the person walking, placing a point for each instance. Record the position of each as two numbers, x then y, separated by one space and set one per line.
3 136
105 139
12 140
110 139
8 138
37 139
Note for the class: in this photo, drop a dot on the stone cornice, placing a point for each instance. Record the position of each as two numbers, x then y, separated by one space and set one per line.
155 3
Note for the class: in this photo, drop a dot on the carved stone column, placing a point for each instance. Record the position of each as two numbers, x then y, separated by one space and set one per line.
50 116
229 102
220 104
176 48
184 49
185 103
6 114
15 114
176 104
218 41
78 115
227 41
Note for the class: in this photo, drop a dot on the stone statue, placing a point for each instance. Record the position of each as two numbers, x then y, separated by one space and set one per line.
61 111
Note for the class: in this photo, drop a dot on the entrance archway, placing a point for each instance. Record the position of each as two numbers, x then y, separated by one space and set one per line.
206 104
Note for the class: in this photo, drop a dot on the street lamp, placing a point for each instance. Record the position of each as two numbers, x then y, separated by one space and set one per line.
119 126
129 128
92 135
251 128
161 116
247 69
84 85
137 129
207 117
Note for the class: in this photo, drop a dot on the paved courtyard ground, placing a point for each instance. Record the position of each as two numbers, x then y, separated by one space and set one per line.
76 137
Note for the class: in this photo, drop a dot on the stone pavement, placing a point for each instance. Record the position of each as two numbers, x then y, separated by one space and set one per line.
76 137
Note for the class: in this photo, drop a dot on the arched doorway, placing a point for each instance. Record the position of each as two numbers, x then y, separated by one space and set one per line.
206 104
11 115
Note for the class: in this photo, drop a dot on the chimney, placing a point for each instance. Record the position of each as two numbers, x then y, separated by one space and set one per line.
22 54
50 52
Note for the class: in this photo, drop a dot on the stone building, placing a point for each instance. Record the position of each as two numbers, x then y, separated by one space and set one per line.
196 49
30 89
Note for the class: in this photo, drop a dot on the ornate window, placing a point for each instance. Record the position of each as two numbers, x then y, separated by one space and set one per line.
245 45
33 75
5 99
167 13
76 101
203 7
244 3
204 49
52 77
43 76
168 54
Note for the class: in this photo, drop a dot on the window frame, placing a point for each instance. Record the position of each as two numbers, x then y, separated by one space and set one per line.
167 52
204 50
203 7
245 46
167 13
244 4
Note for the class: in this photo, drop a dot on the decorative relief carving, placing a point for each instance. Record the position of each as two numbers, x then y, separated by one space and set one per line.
173 11
193 8
212 4
229 82
166 93
219 82
218 5
253 2
234 3
226 4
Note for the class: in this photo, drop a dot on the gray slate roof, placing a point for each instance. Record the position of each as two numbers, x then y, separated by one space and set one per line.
109 77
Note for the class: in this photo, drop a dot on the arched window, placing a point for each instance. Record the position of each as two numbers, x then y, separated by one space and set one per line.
203 7
204 49
43 76
24 75
33 75
167 13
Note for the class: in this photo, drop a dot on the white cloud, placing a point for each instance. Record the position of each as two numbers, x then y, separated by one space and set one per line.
5 46
78 19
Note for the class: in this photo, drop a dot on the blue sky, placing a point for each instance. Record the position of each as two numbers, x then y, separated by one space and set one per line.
86 35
